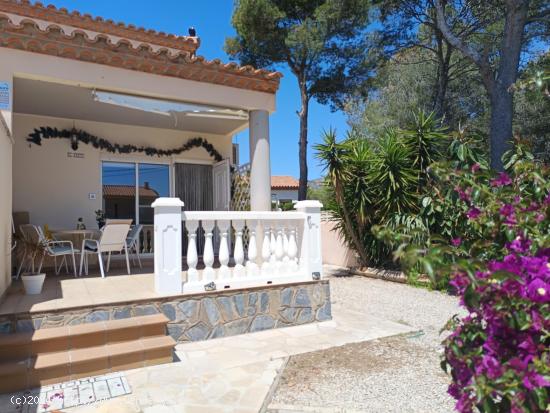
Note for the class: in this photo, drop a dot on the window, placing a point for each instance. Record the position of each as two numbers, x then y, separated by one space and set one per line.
129 189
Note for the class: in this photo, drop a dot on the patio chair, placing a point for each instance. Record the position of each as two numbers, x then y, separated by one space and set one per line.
112 239
33 235
132 241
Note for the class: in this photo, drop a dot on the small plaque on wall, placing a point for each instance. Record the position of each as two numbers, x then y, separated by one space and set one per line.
5 96
75 155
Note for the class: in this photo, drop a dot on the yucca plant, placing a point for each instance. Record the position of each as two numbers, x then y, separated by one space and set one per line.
379 182
336 157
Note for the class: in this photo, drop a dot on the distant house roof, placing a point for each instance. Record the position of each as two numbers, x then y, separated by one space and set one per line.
128 191
284 182
36 28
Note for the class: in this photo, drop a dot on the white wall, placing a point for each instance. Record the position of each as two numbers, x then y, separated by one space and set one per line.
280 194
5 209
54 188
335 249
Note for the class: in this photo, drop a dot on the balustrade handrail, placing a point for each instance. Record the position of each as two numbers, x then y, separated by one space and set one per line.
241 215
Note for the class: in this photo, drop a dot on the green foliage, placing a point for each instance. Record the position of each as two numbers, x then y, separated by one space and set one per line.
321 41
408 82
379 182
495 255
532 106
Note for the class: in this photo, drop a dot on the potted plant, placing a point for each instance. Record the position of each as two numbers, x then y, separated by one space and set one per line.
100 218
32 281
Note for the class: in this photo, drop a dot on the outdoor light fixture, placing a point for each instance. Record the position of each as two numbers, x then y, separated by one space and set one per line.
316 276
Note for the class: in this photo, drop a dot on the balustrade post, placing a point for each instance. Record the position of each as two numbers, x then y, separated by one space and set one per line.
311 260
223 254
192 255
238 252
167 228
208 255
251 265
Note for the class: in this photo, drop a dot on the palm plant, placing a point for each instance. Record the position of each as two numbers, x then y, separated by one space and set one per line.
335 156
427 140
378 183
393 176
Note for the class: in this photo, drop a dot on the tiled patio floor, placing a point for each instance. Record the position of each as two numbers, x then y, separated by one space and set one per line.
66 291
235 374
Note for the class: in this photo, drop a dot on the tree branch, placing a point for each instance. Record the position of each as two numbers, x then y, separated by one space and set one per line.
453 40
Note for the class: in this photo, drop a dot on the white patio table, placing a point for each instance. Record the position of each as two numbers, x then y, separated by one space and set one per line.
76 236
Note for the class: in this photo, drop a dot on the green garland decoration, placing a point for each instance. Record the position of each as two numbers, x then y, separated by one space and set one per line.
99 143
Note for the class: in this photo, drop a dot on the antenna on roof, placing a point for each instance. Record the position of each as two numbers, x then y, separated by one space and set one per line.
192 32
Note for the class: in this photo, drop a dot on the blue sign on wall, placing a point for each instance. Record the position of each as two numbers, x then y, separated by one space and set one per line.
5 91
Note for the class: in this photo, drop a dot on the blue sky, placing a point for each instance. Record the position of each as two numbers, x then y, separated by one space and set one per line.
212 20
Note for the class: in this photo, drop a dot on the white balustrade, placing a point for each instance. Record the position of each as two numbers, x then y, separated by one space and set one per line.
282 247
208 255
192 255
252 269
238 253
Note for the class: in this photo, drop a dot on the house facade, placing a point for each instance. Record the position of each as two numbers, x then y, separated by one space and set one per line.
284 191
97 115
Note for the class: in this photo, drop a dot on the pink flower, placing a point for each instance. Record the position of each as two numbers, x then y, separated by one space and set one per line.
473 213
475 167
502 180
456 241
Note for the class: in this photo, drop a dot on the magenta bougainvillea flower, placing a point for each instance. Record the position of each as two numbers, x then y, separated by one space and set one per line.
498 354
502 180
473 213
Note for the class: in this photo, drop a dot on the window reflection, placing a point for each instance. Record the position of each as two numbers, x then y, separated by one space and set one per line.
154 182
119 190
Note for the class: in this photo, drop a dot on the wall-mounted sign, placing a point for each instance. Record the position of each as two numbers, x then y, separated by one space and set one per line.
5 96
75 155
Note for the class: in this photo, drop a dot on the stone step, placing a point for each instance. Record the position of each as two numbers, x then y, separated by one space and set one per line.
75 363
19 346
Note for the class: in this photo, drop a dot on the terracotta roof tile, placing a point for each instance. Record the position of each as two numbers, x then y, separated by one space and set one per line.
128 191
284 182
85 21
40 31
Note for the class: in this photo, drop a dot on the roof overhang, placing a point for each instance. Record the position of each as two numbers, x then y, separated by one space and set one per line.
26 32
34 97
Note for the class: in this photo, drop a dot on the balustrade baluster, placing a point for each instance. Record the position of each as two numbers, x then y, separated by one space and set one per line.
223 254
279 250
238 252
251 265
286 259
266 251
208 255
273 246
292 250
192 255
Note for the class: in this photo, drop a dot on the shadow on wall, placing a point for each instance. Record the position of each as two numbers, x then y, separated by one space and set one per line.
335 250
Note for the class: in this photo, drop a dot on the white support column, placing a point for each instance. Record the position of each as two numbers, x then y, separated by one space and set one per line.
311 260
260 168
168 245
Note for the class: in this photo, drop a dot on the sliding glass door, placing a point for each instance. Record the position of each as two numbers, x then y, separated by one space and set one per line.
153 182
130 188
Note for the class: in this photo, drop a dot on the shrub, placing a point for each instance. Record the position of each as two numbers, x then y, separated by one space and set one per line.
496 257
379 181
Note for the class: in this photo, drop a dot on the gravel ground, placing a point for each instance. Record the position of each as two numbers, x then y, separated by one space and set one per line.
395 374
